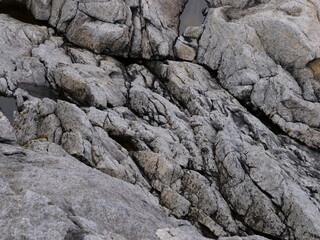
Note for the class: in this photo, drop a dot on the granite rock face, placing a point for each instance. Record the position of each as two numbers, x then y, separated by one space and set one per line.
17 63
265 66
123 28
92 205
213 134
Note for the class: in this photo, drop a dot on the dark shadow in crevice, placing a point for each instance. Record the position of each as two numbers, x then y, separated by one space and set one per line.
129 61
246 103
8 105
125 142
20 12
76 234
39 91
250 230
206 232
130 146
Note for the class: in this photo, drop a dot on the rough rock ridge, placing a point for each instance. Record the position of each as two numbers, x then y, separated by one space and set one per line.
138 133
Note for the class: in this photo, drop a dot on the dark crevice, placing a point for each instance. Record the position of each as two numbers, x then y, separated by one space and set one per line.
82 159
135 14
75 234
252 3
129 61
267 122
249 230
246 103
20 12
125 142
213 73
9 142
128 144
206 232
154 68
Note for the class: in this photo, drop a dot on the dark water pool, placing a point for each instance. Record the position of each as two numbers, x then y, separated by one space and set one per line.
19 11
8 105
192 14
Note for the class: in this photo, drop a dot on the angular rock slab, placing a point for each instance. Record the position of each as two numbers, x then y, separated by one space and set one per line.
50 195
6 130
93 86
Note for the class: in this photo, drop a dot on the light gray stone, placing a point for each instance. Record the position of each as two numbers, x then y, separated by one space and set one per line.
56 197
6 130
178 205
144 29
247 72
17 41
93 86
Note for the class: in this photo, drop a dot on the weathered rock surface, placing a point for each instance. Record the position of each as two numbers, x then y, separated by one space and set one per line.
258 61
17 63
127 147
132 28
48 194
7 133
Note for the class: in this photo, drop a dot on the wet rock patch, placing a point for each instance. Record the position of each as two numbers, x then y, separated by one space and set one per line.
192 14
8 106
